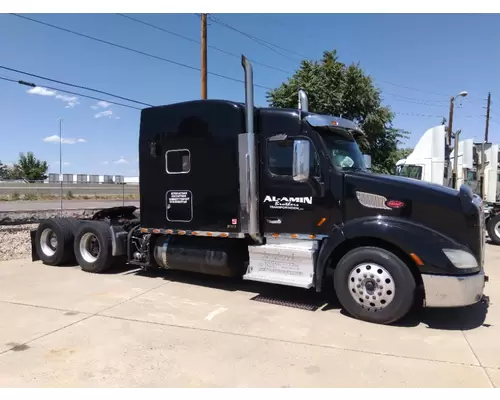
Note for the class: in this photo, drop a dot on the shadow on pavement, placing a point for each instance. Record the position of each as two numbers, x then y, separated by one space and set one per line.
465 318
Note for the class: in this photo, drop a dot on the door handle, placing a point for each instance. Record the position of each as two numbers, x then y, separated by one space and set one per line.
274 220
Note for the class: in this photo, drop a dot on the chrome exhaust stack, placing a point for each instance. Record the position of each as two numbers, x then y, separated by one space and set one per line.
303 102
249 190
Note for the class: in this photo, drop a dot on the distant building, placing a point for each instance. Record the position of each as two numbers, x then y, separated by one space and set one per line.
92 179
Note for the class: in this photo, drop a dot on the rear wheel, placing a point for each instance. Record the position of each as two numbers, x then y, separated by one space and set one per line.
493 228
374 285
92 247
54 241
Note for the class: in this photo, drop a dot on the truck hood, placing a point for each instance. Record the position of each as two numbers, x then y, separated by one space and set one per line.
399 187
446 210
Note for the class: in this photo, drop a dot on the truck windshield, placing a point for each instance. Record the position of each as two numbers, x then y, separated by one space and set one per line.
409 171
343 151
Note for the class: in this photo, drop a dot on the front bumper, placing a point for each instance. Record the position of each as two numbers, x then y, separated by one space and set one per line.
453 291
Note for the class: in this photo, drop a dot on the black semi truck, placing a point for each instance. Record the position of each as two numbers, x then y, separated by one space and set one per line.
281 196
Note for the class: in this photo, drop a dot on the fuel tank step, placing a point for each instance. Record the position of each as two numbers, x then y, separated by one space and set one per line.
283 262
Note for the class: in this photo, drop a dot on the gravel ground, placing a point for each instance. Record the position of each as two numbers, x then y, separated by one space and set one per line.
15 241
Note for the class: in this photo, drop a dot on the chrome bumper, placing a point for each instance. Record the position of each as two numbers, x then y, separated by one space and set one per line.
453 291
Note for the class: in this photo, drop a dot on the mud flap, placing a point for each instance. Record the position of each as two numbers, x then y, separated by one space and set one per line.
34 254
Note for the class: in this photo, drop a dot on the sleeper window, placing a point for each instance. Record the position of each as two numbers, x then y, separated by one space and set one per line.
178 161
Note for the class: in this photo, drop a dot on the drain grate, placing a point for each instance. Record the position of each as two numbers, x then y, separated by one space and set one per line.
302 304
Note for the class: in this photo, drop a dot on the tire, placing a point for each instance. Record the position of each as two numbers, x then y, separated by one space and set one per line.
92 246
493 228
391 292
54 241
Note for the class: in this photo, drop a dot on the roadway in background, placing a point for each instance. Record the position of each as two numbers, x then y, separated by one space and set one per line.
54 189
6 206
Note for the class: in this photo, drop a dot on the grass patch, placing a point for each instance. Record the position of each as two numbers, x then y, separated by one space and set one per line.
30 196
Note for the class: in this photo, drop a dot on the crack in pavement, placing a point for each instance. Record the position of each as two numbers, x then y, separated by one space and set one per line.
101 314
88 315
478 360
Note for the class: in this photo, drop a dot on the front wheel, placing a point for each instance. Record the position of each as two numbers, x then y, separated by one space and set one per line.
493 228
374 285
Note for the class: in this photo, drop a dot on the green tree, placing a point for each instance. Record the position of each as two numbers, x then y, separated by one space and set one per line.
30 168
336 89
3 171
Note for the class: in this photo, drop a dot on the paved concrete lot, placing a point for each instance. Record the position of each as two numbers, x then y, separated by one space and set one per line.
61 327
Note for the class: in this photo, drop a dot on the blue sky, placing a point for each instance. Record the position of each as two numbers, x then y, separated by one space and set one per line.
418 61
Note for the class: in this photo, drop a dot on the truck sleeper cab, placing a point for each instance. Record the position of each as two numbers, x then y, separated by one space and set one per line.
283 196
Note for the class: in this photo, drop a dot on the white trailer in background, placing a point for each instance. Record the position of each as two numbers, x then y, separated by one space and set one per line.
427 161
431 161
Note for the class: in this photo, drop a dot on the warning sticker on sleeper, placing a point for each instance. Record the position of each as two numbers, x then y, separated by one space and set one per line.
179 205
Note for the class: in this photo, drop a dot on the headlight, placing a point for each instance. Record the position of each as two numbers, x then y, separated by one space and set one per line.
460 258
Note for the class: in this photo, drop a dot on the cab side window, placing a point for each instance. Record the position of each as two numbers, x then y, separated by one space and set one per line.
280 159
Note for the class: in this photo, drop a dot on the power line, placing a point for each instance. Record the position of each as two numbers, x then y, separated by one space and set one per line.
8 79
419 102
198 42
415 99
73 85
134 50
33 85
432 116
255 39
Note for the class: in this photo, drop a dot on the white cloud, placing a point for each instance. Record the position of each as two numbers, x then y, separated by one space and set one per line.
100 104
64 163
41 91
55 139
71 101
106 113
121 161
105 163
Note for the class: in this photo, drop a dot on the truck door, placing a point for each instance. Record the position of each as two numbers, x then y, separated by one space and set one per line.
287 206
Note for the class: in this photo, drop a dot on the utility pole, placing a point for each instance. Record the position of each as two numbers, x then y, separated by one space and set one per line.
487 119
483 161
450 132
450 120
60 163
455 160
204 56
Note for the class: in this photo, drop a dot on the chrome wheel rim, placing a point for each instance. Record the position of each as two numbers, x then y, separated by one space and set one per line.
497 229
90 247
371 286
48 242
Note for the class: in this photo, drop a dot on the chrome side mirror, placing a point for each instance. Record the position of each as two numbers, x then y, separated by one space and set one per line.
301 154
368 161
